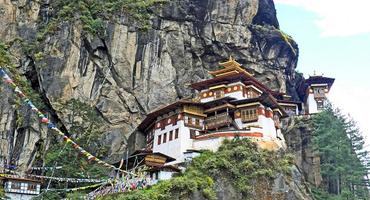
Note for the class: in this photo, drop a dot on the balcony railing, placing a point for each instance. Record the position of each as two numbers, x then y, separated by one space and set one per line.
218 121
194 125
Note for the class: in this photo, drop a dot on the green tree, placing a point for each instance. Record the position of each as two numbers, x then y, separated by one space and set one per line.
343 158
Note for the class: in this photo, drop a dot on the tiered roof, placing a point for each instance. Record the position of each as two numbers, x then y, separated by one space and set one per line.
231 73
316 79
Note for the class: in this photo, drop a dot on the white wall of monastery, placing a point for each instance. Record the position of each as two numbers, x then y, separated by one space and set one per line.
208 99
237 95
311 104
175 147
208 144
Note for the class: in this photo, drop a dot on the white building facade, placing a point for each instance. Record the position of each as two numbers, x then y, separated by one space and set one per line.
233 104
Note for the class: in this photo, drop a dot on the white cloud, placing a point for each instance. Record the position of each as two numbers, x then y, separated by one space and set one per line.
337 18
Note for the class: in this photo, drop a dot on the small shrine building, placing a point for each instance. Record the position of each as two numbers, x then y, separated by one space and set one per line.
19 188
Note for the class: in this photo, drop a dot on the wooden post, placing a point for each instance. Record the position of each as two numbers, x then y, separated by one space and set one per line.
227 111
216 119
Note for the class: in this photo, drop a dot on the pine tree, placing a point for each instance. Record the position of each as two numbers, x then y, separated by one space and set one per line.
340 145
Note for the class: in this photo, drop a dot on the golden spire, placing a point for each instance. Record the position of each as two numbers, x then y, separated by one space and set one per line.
230 63
231 58
230 66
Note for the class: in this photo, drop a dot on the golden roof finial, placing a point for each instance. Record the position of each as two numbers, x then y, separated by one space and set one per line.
231 58
230 63
230 66
316 74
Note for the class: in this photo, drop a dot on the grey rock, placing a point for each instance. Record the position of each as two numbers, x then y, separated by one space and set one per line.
298 138
129 73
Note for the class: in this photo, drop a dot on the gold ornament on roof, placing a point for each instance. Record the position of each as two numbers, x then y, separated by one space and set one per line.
230 67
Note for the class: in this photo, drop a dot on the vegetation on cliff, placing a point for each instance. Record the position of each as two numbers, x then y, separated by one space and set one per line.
93 13
85 126
4 57
239 162
343 158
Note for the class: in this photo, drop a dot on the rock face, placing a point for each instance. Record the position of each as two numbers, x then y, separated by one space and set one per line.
298 138
280 188
127 74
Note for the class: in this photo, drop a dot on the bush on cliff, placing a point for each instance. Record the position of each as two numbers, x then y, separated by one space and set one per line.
239 161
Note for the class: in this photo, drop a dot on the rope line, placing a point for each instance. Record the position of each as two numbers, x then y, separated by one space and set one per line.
44 120
79 188
55 164
59 179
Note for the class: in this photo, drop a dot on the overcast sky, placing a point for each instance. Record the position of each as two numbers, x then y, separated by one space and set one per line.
334 39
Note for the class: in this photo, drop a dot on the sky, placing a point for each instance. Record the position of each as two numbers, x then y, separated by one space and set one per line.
333 37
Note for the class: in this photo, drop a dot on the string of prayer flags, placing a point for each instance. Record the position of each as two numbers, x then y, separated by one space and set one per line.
43 119
122 186
70 180
45 168
8 166
76 189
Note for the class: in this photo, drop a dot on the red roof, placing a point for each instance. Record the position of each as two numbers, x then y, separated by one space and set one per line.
152 116
314 80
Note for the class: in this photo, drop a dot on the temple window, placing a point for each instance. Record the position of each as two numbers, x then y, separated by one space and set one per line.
23 186
159 139
319 90
190 120
249 115
31 187
170 136
219 94
164 137
176 133
16 185
192 133
197 122
320 105
251 93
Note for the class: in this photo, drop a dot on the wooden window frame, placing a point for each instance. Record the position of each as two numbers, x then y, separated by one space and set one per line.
176 133
16 185
249 115
159 139
192 133
197 122
164 138
170 136
320 105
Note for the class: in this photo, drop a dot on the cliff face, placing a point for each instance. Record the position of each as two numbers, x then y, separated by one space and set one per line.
128 73
298 135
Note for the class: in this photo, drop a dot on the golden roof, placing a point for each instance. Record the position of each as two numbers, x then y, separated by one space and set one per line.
230 67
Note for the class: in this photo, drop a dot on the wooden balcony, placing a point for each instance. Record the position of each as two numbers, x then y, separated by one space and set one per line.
194 125
218 121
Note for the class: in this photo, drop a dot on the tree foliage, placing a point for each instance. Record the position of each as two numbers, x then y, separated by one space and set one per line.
4 56
340 145
93 14
85 127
